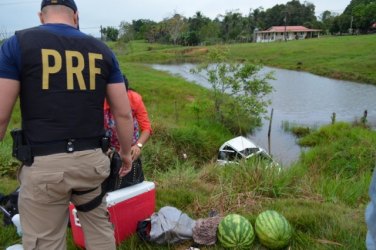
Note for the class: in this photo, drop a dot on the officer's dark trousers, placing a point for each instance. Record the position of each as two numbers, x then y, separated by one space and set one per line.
46 190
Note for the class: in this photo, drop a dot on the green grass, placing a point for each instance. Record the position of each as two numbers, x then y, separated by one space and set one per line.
341 57
8 164
345 57
323 195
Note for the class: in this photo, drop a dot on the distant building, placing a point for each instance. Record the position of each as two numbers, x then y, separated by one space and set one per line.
281 33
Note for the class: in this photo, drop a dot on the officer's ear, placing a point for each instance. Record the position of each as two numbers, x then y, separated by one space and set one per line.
40 14
76 20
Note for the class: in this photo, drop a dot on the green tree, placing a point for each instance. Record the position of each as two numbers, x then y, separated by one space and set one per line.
275 16
244 83
209 33
162 34
110 33
353 4
364 15
141 28
257 19
327 19
202 28
197 21
291 13
126 31
359 15
152 34
190 38
176 26
234 25
341 24
299 14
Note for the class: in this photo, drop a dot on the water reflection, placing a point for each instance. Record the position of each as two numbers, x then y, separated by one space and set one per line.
300 98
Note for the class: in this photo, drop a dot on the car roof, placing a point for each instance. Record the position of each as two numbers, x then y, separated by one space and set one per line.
239 143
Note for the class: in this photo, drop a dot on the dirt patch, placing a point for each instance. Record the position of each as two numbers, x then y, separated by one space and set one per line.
195 51
190 98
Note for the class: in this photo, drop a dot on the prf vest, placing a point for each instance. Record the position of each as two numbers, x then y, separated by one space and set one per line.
63 85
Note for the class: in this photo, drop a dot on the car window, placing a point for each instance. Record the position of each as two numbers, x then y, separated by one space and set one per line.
228 148
229 155
222 155
249 151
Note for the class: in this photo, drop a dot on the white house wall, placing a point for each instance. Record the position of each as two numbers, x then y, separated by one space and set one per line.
278 36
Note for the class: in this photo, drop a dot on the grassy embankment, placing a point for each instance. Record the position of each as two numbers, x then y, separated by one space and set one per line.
323 195
345 57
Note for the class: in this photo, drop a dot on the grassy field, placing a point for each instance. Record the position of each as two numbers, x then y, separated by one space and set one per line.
323 195
342 57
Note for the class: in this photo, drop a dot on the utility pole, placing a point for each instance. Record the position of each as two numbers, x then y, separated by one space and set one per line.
255 35
351 24
285 19
269 131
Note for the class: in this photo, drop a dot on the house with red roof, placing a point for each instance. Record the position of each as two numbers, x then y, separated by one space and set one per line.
282 33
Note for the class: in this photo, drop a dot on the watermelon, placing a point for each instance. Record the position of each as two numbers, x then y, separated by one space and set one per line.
235 232
273 230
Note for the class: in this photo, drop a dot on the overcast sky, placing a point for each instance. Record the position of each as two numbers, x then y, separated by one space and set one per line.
20 14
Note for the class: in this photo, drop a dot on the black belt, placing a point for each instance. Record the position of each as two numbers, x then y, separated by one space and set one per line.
67 146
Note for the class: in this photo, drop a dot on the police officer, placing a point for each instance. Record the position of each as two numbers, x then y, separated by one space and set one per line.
62 77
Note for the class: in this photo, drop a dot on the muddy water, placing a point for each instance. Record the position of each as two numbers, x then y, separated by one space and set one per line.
303 99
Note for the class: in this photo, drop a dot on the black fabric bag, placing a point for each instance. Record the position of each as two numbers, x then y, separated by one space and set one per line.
9 206
143 229
112 181
135 176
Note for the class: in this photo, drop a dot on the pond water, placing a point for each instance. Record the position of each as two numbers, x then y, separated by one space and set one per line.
299 98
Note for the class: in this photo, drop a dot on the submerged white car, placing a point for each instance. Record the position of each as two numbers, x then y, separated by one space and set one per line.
239 148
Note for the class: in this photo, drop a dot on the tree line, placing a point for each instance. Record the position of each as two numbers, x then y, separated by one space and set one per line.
357 18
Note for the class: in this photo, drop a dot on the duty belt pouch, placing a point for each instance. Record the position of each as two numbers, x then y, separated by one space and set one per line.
21 150
113 179
135 176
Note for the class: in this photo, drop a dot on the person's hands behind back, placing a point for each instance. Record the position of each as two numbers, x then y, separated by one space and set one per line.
126 167
119 104
135 152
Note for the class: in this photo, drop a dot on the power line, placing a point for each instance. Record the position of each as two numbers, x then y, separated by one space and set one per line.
89 28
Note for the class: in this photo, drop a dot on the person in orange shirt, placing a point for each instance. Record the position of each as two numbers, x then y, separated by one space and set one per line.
141 133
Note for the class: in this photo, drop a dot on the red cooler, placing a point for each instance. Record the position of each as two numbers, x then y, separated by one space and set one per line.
126 207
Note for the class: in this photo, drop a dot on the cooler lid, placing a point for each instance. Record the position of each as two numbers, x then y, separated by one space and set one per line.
123 194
